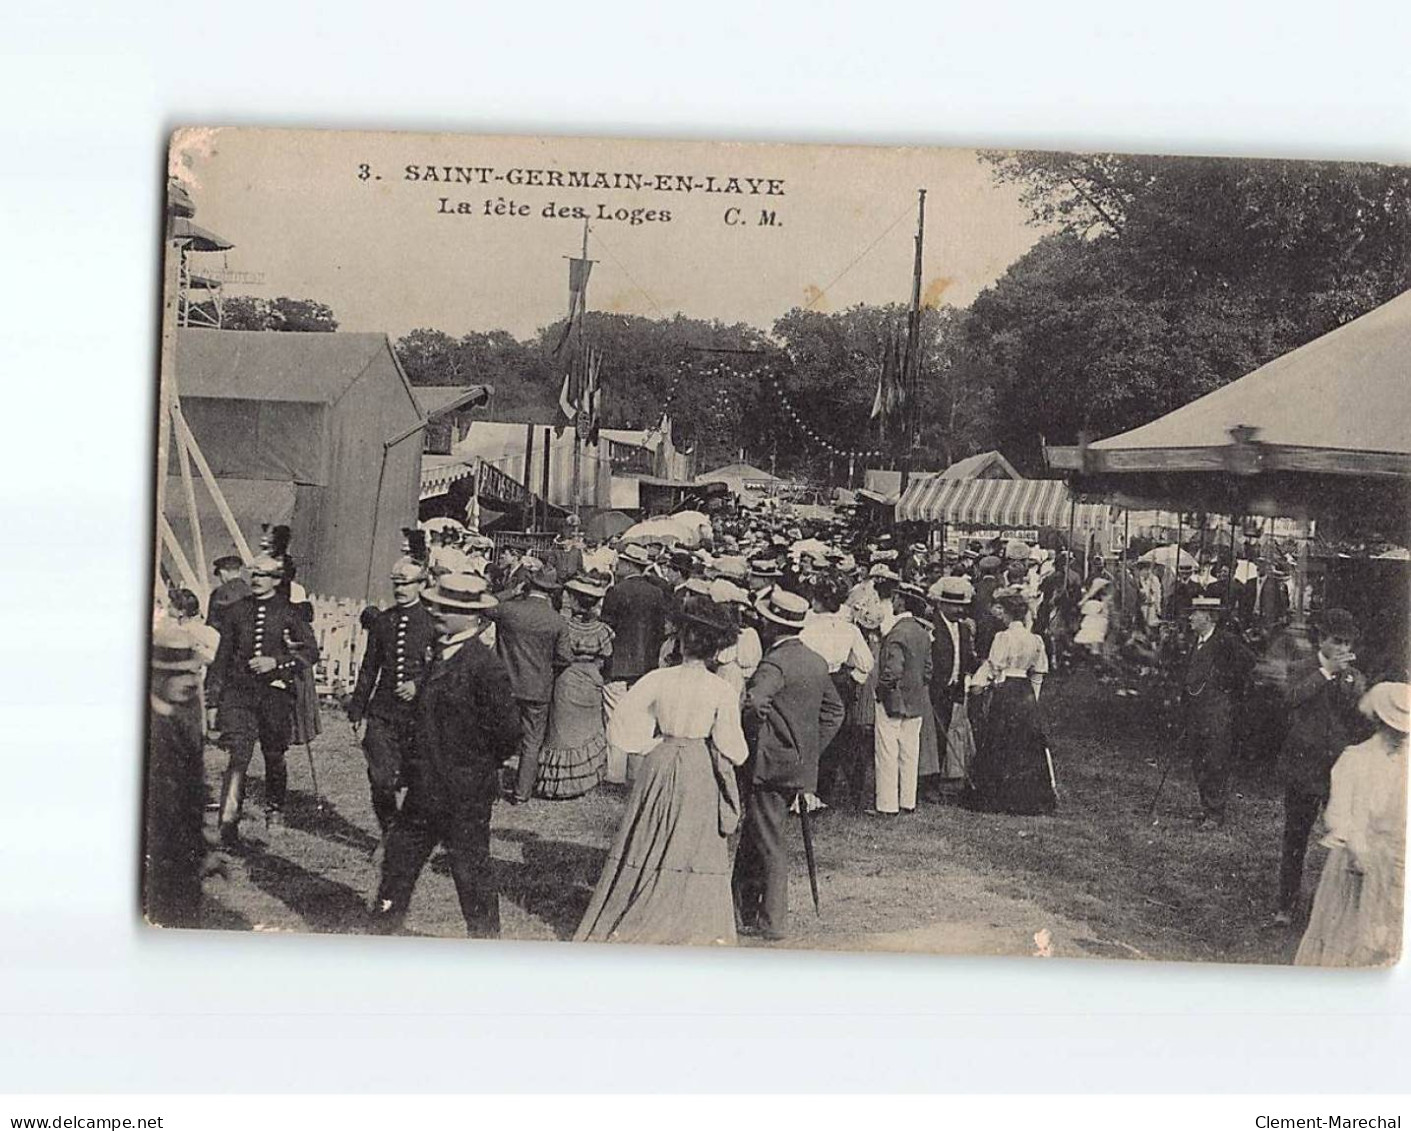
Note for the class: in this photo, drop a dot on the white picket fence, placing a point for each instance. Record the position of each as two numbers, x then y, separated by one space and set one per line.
341 643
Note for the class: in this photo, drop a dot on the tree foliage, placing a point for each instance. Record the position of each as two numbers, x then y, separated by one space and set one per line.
243 312
831 367
1164 278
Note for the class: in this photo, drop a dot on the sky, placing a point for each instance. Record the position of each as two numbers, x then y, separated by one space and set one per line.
386 254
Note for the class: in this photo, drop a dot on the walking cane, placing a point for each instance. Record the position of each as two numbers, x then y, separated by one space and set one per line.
806 823
1165 773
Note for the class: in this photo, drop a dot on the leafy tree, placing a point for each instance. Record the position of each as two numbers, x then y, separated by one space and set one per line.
243 312
1164 278
833 364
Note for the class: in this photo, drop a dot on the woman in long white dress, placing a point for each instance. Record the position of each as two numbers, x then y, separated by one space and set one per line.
667 875
1356 916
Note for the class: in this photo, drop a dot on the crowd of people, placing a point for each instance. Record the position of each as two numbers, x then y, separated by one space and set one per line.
777 668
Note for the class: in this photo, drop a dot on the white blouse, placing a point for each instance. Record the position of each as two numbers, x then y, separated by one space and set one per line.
681 702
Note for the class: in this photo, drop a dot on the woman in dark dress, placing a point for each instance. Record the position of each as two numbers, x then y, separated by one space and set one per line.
1012 771
575 753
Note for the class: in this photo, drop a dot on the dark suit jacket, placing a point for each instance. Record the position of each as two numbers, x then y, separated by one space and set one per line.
464 728
1221 665
527 632
906 669
942 660
1273 602
792 711
398 649
635 609
286 636
1323 722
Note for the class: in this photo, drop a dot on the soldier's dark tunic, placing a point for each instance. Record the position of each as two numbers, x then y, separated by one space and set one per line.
255 706
398 651
466 729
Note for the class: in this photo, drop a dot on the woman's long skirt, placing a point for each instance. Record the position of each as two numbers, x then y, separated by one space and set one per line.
667 876
1356 916
574 758
1011 771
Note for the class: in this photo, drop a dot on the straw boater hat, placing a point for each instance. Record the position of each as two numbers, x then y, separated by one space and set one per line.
766 567
173 650
915 592
590 584
460 592
884 571
1205 604
635 553
952 591
1388 702
782 607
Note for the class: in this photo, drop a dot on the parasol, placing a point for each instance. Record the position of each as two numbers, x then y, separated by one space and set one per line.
1172 557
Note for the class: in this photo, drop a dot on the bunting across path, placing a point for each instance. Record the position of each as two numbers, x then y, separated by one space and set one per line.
998 502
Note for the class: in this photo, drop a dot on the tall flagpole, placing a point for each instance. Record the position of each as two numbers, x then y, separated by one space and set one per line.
581 360
911 363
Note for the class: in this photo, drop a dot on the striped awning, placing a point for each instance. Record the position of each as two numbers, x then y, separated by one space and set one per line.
998 502
437 476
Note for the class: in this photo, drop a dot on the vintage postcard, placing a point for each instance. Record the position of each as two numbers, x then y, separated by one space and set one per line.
867 549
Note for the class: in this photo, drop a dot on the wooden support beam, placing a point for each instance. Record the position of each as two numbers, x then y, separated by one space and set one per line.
232 527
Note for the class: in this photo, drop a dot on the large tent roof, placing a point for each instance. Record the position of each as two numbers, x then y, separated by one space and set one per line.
1346 390
271 365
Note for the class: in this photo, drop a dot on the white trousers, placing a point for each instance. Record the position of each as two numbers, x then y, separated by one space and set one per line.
896 753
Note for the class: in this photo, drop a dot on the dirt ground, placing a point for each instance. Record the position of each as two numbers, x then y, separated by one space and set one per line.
1101 878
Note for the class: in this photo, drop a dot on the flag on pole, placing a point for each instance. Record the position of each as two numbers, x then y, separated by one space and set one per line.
580 396
890 393
578 272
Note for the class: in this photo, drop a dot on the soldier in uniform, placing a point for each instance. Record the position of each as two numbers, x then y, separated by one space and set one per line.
398 647
465 730
1217 669
264 643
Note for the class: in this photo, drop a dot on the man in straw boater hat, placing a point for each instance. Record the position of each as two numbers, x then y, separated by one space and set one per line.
527 633
464 732
635 609
903 673
1217 669
398 647
953 660
264 643
791 712
174 847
